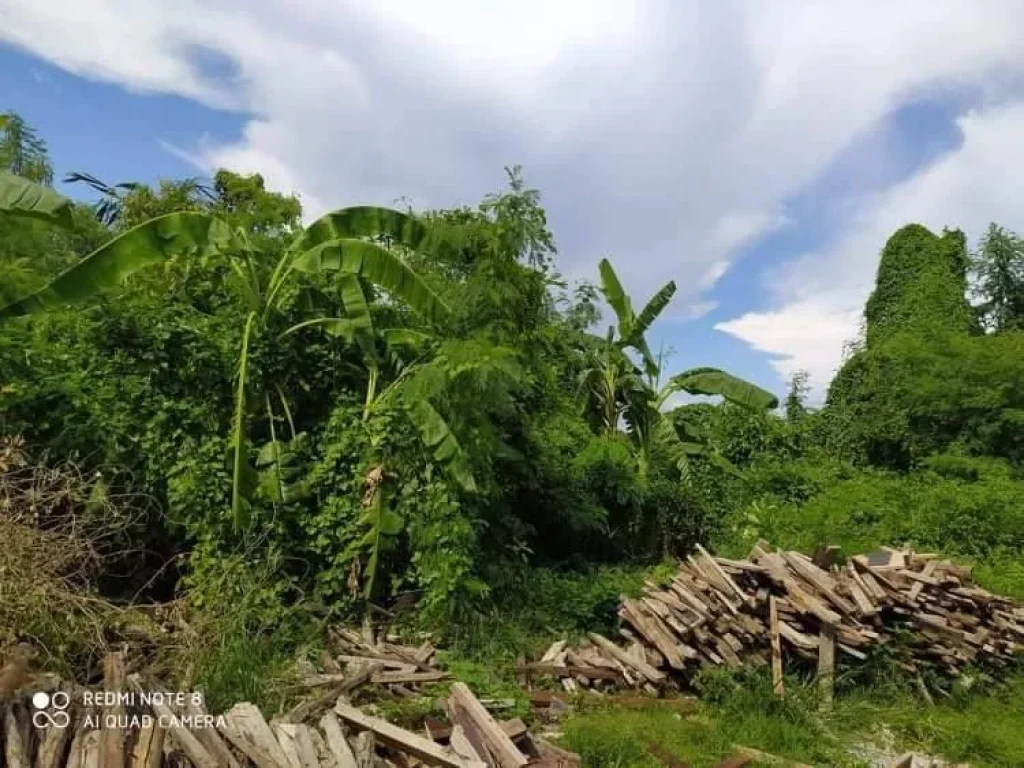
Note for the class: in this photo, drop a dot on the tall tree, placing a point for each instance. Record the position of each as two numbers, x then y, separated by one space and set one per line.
22 152
998 269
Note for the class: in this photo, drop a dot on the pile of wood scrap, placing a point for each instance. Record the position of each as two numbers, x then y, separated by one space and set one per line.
739 612
377 661
129 723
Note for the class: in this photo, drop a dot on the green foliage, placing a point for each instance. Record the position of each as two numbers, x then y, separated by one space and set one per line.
388 399
907 398
998 269
22 152
108 266
920 287
957 506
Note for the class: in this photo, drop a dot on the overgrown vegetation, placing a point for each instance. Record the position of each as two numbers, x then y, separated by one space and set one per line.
388 409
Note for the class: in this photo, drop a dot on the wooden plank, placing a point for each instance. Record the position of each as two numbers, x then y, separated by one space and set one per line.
75 751
506 753
778 686
464 748
342 753
190 745
50 751
16 745
797 638
366 748
246 729
113 739
555 649
645 669
826 664
743 596
597 673
864 605
149 748
651 627
399 738
929 569
474 740
302 745
92 751
211 739
820 580
391 678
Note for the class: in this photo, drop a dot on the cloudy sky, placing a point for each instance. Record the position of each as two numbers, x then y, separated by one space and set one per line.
758 153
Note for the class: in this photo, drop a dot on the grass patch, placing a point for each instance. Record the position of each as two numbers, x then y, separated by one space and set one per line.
984 728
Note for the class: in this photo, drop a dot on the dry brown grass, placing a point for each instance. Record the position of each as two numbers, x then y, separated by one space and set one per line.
58 530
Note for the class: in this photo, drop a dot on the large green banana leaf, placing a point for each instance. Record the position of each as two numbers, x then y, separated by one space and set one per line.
377 266
437 436
616 296
357 310
711 381
21 197
651 310
110 264
366 221
280 470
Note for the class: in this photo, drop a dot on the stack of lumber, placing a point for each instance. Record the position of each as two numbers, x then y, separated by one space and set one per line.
83 731
740 612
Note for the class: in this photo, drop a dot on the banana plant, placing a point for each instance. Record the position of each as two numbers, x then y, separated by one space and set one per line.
393 357
620 392
631 326
345 244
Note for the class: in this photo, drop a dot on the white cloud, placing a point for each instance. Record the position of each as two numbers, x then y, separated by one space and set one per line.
820 296
667 134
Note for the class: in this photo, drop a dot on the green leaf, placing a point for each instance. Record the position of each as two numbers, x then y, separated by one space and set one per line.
280 471
21 197
241 471
616 297
110 264
377 266
437 436
390 522
359 222
651 311
709 381
335 326
404 337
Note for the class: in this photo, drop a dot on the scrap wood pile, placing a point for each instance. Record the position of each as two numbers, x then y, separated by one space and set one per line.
739 612
142 728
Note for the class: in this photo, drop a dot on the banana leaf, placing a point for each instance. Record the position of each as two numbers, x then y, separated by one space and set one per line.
110 264
709 381
437 436
358 222
280 470
651 311
21 197
377 266
616 296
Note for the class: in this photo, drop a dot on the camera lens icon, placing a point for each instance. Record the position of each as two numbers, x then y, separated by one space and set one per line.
43 701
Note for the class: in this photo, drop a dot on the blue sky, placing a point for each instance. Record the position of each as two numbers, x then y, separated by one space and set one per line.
758 154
